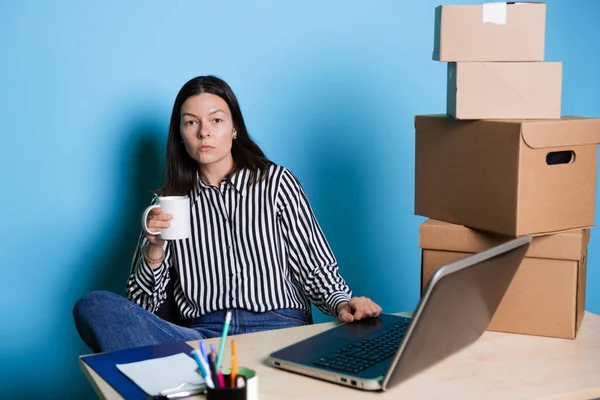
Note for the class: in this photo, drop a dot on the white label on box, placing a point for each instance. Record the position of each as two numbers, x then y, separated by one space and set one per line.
494 13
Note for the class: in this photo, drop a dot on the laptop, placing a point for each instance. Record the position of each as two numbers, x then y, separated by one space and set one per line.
379 353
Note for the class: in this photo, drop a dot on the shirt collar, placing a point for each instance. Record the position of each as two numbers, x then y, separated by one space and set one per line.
238 181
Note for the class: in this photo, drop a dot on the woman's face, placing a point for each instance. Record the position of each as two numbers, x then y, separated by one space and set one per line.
207 130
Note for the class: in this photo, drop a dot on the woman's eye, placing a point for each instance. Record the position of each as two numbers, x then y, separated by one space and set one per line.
217 120
190 122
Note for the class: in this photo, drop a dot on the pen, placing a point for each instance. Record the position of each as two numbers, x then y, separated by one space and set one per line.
196 357
221 379
241 382
204 369
233 363
203 351
177 395
223 338
209 380
213 369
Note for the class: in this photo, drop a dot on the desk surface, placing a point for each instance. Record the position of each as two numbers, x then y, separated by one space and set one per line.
498 366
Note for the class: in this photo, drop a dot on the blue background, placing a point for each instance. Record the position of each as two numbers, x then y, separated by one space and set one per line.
328 89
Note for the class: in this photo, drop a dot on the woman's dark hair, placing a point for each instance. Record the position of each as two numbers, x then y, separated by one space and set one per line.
181 168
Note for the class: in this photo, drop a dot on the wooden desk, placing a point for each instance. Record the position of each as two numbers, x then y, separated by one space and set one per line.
498 366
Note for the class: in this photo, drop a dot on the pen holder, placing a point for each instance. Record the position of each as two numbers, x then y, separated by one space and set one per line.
248 392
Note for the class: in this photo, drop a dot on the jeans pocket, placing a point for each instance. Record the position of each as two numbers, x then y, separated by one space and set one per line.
289 314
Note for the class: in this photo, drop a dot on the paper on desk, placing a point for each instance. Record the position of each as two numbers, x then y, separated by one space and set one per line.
177 372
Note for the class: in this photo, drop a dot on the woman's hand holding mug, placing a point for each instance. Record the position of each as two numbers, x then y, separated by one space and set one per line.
156 221
168 219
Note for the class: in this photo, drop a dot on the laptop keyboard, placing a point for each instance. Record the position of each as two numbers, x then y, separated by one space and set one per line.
366 352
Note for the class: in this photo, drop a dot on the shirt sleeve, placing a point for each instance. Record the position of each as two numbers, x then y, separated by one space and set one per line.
145 286
309 255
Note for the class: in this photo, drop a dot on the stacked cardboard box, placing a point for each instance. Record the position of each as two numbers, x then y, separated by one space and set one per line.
496 67
503 163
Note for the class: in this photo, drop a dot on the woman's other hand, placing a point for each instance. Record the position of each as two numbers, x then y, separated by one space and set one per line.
357 308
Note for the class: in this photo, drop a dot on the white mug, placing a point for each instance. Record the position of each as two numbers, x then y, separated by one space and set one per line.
179 207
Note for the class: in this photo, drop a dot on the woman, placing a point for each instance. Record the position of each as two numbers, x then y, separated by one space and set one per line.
256 248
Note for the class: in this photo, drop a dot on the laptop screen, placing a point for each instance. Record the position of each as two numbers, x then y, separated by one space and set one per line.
457 307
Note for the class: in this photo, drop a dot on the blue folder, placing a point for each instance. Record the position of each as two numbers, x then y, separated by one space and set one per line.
105 365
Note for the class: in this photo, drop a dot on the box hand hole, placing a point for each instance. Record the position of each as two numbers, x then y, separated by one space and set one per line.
560 157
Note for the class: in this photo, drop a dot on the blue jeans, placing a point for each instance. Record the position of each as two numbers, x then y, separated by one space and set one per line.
107 322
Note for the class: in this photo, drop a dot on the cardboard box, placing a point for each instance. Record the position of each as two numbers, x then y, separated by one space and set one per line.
547 294
504 90
490 32
512 177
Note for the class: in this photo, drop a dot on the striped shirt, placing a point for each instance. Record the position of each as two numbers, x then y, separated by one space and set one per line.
259 249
